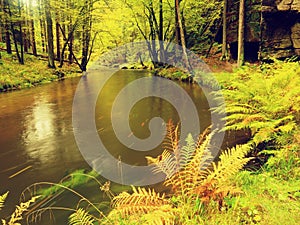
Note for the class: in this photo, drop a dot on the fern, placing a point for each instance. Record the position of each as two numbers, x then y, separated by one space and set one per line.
81 217
187 152
140 201
193 172
18 213
266 101
188 173
165 163
2 199
194 177
165 215
231 161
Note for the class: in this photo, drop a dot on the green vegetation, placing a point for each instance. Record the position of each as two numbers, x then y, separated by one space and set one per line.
265 100
16 76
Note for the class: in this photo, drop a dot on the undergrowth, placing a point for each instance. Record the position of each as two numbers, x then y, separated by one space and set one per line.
35 71
265 100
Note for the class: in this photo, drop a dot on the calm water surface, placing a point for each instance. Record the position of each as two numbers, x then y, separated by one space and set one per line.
36 133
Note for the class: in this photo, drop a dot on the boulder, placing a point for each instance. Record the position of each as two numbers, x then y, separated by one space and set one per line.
285 5
295 36
295 6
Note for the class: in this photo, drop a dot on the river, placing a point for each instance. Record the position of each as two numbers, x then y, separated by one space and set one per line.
36 134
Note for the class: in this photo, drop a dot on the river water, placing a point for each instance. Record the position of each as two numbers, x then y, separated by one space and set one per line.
36 134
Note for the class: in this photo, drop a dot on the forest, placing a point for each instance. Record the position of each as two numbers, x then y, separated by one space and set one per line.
76 73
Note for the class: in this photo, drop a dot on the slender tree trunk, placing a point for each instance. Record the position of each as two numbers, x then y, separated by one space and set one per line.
86 35
7 27
241 29
42 25
51 56
182 37
177 29
20 58
25 41
2 19
57 41
70 57
153 34
224 33
21 33
161 32
70 28
24 21
7 39
32 30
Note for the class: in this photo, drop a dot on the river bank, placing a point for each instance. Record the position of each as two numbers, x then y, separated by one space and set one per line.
14 76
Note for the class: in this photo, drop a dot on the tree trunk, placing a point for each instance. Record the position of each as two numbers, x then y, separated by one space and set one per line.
241 29
42 25
6 26
177 29
32 31
20 57
57 41
182 37
70 56
7 39
21 32
25 41
2 19
224 33
161 32
51 56
86 34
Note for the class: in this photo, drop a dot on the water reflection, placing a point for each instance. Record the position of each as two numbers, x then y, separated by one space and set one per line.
39 130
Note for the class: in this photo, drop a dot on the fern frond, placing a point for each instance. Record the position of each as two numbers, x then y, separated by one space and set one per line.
164 163
2 199
185 179
140 201
216 183
202 137
187 152
81 217
172 137
231 161
164 215
20 210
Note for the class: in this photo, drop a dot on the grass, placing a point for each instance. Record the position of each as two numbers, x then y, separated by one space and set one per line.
15 76
266 200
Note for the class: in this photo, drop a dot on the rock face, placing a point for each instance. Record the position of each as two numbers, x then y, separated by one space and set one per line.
272 28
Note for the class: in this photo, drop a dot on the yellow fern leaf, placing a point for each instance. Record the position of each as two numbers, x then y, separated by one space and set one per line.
2 199
164 215
20 209
140 201
231 161
81 217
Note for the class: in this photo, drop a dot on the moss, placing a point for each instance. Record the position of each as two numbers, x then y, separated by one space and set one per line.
173 73
14 76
